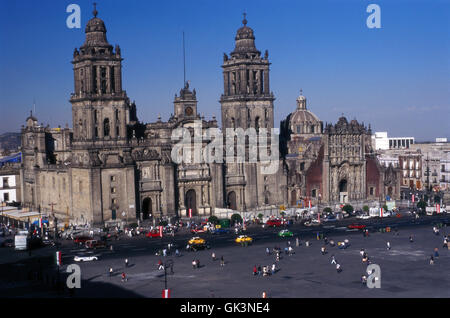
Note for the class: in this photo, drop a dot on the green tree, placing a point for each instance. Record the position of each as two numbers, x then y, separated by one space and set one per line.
260 216
385 207
236 218
421 205
366 208
213 219
327 210
347 208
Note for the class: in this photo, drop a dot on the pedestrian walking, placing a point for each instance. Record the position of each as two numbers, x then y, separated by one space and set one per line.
411 239
126 262
431 260
110 272
322 249
124 277
267 251
332 243
259 270
290 250
222 261
255 271
177 252
164 252
194 264
213 256
160 265
274 268
338 268
388 246
436 253
333 260
197 262
297 242
361 252
364 279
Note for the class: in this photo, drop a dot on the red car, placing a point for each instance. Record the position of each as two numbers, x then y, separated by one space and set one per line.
81 239
356 226
153 234
274 223
198 230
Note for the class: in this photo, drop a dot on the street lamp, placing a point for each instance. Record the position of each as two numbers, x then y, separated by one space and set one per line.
168 264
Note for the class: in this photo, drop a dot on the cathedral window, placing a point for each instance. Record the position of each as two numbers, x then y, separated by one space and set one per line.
299 129
94 73
257 124
312 129
117 114
113 190
113 178
313 193
371 191
117 131
302 166
95 116
106 127
113 82
103 79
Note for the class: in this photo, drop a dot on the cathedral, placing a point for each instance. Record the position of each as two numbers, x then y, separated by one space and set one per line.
111 167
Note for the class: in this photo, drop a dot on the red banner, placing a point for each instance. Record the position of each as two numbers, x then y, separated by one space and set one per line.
161 231
412 198
190 213
438 208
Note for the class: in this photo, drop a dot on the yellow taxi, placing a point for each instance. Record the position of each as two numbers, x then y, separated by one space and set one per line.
243 239
196 240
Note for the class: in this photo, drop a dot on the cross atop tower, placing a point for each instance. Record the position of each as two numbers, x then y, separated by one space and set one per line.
95 12
244 22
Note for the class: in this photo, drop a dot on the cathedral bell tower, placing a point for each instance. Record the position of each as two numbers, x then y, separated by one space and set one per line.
246 100
100 108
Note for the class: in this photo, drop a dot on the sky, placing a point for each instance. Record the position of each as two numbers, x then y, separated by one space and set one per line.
397 77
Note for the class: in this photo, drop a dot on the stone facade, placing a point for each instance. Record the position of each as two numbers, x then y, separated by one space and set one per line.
111 167
334 164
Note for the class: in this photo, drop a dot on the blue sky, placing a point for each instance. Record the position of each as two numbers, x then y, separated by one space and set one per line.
396 78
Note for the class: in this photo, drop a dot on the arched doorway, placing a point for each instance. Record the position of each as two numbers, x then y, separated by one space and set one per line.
343 194
390 192
146 208
191 202
232 200
294 198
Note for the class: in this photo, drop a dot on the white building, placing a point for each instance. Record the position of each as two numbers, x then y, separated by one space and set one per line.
381 141
8 188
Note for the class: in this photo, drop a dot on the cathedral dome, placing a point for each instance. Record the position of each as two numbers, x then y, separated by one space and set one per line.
245 40
303 121
96 32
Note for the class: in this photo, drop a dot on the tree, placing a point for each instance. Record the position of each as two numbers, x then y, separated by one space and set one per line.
213 219
366 208
421 205
347 208
260 216
385 207
327 210
236 218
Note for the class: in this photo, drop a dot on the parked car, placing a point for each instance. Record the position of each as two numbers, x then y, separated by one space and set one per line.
330 218
243 239
153 233
356 226
85 258
95 244
285 233
274 222
8 243
221 230
81 239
